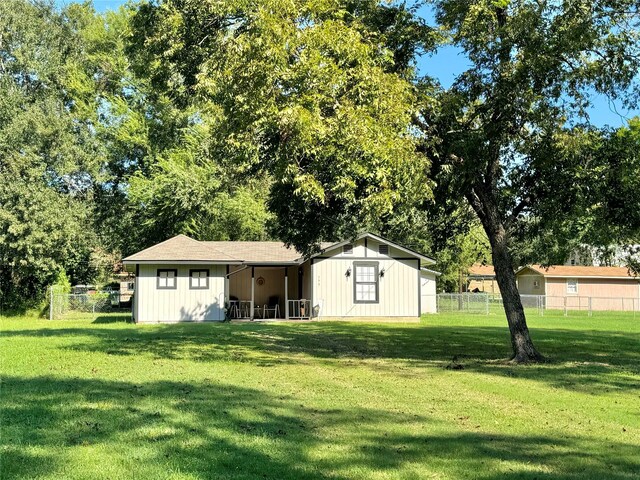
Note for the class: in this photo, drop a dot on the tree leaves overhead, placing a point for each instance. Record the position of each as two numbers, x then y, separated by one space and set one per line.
48 155
306 91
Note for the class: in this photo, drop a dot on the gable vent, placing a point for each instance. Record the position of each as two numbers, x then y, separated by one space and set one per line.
383 249
348 249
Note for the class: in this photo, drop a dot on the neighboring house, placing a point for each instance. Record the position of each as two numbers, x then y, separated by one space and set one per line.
182 279
597 288
482 278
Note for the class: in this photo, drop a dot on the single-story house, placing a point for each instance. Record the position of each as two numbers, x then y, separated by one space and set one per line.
581 287
482 278
370 277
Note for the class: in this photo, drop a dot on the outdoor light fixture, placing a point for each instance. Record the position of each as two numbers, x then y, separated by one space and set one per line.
382 273
348 272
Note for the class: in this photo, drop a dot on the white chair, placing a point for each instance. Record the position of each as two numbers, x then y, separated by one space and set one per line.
272 306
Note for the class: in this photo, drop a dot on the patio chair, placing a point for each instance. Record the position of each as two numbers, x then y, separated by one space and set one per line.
234 307
272 306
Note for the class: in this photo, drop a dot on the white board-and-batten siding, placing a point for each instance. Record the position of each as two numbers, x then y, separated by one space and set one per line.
428 303
398 288
181 304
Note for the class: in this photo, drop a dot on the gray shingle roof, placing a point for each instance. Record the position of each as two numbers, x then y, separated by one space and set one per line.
180 248
257 251
183 249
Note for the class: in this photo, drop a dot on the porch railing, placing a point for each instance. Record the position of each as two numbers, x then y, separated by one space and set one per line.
300 309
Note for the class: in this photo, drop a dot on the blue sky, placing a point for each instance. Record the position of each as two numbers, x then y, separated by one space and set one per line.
448 63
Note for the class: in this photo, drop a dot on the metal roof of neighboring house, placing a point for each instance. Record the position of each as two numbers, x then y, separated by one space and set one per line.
479 270
575 271
183 249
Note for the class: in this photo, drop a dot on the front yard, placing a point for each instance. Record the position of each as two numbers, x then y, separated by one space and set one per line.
105 399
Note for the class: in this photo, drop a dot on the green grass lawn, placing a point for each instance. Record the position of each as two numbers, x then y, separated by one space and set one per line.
105 399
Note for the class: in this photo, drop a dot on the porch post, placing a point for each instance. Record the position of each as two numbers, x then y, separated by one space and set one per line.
253 290
286 293
226 289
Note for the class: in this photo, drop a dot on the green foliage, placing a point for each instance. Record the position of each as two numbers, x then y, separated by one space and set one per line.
514 138
304 91
48 157
61 283
602 210
534 67
617 193
459 253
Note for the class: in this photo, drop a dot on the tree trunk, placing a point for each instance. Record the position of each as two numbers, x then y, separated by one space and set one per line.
523 349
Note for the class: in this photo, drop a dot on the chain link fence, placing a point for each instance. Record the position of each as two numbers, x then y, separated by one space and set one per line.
463 302
82 305
487 303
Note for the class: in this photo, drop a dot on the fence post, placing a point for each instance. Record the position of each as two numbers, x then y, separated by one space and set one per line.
486 299
565 305
539 305
590 311
51 302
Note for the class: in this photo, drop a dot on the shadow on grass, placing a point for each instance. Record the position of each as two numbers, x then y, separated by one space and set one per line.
210 429
116 318
590 361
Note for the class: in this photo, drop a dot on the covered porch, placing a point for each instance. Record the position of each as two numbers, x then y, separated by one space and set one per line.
278 291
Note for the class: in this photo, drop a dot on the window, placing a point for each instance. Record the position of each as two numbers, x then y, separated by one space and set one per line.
365 285
347 249
198 279
572 285
167 279
383 249
536 284
573 261
131 285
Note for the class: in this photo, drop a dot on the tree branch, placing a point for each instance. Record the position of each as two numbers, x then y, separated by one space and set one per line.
518 210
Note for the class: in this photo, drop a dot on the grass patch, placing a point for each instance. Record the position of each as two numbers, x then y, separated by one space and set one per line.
101 398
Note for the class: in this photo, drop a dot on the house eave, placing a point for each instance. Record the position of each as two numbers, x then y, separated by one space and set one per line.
426 270
211 262
133 261
592 276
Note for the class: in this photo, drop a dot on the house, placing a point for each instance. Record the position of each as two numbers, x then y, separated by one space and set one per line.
482 278
581 287
182 279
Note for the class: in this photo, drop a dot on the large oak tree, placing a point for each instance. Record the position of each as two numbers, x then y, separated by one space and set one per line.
505 124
